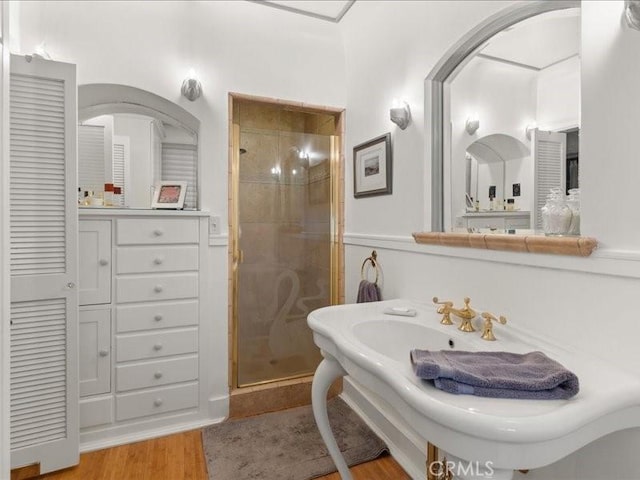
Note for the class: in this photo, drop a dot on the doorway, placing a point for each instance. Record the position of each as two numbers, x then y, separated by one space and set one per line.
285 234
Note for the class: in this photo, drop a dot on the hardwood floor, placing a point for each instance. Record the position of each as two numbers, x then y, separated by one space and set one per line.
180 456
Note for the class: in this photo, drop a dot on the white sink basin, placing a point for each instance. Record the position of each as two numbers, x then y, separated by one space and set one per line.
385 338
374 349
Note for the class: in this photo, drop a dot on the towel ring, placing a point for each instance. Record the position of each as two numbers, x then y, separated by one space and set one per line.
373 260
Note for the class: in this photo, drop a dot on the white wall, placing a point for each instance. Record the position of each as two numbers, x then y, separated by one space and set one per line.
583 302
138 130
390 48
233 46
558 95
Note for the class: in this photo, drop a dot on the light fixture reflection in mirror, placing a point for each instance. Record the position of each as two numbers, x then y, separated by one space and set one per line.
472 124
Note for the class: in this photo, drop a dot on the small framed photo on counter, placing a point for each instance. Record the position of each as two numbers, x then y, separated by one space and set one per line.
169 195
372 167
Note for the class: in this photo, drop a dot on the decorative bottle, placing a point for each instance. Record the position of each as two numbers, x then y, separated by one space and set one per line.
573 201
556 214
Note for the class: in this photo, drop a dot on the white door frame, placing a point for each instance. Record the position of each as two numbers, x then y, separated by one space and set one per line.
5 293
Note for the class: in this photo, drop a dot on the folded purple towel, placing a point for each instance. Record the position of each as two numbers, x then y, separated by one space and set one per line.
496 374
368 292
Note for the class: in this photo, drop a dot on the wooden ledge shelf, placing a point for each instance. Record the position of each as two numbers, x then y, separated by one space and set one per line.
576 246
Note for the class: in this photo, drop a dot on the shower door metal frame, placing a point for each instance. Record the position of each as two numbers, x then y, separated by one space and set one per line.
337 217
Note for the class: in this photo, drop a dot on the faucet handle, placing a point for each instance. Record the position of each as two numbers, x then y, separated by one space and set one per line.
487 329
444 310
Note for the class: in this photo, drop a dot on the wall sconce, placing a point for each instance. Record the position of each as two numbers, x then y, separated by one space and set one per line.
632 13
472 124
400 114
191 87
529 130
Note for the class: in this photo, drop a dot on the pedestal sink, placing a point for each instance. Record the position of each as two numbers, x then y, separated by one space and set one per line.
373 348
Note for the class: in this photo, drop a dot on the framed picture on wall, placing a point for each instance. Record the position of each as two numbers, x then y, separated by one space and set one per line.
169 195
372 167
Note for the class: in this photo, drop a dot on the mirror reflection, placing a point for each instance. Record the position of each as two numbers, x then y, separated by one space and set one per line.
131 153
514 111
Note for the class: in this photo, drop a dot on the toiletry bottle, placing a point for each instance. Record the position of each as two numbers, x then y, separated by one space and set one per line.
80 196
504 204
108 194
117 196
477 205
491 204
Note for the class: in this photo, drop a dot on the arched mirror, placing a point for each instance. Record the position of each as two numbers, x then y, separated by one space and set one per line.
133 139
505 100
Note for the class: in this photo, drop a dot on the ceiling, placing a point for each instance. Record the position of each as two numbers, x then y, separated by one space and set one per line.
539 41
330 10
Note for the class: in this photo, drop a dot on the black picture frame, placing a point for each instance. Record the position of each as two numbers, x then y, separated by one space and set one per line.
372 167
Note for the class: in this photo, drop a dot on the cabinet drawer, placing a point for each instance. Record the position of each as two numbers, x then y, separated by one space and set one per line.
157 259
517 223
152 402
156 287
136 231
130 318
154 374
486 222
153 345
96 411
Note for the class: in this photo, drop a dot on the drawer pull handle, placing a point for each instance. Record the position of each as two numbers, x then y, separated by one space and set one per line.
157 261
104 353
104 262
158 402
158 232
157 375
157 347
157 318
157 288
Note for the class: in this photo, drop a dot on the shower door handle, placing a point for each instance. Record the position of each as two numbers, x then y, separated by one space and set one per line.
239 257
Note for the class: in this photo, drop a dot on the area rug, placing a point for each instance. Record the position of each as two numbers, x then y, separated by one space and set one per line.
286 445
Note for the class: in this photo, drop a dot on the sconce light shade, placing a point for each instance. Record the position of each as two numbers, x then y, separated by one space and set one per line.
472 125
632 13
191 88
401 116
529 130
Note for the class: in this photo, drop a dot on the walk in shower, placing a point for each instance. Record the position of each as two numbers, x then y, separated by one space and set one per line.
283 236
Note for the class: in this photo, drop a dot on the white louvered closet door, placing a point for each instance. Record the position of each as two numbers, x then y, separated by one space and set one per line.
91 157
180 164
44 272
121 167
550 164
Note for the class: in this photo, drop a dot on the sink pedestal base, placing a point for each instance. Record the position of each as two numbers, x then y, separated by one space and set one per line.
327 372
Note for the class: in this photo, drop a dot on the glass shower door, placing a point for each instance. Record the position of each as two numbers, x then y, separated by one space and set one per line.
284 236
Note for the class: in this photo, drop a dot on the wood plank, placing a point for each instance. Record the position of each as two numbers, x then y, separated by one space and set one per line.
181 456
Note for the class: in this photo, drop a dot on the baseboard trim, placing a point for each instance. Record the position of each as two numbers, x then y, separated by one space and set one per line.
408 449
117 440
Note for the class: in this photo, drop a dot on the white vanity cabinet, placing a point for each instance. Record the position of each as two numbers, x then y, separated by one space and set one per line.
496 220
94 256
142 349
